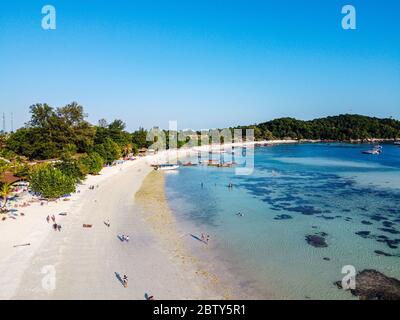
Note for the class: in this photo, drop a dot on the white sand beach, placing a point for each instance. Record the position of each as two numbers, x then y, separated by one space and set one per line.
89 261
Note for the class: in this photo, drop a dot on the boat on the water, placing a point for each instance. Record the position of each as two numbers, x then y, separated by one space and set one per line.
397 143
189 164
375 150
166 167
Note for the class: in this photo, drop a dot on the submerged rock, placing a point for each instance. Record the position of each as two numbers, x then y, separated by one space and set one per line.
283 217
389 230
316 241
377 217
374 285
382 253
368 223
388 224
363 234
326 217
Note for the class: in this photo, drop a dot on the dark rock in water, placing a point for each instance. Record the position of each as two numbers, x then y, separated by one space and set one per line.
377 217
283 217
327 259
306 210
326 217
382 253
368 223
373 285
364 234
389 230
392 244
382 236
316 241
388 224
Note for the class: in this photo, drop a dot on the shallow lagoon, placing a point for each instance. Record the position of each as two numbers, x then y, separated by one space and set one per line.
351 199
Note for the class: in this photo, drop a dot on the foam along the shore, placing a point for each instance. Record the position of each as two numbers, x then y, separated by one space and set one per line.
87 263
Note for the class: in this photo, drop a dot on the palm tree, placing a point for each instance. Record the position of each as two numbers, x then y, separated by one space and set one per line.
5 191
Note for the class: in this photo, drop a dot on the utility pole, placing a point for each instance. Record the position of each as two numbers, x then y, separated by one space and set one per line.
4 122
12 122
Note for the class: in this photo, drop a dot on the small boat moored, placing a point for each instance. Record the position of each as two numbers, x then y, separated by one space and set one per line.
166 167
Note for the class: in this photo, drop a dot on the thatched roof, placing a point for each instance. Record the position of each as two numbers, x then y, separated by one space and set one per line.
8 177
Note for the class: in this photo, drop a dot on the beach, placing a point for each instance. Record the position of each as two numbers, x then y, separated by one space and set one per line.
88 263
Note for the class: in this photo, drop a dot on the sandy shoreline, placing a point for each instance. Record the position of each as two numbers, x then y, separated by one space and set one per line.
86 261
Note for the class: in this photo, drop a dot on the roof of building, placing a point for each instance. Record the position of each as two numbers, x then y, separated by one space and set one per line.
8 177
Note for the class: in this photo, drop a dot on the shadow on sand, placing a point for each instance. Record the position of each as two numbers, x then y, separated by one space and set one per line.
118 276
197 238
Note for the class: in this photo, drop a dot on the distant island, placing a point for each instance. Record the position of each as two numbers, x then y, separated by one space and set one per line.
347 127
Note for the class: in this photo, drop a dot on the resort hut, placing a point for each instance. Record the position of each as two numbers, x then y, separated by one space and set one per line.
8 177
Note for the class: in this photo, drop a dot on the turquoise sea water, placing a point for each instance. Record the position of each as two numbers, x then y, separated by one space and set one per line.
333 190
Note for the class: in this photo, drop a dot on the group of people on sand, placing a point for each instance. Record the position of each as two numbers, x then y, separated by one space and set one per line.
56 226
124 238
92 187
205 238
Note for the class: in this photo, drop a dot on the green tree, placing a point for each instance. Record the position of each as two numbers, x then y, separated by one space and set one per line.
108 150
51 183
72 168
93 162
5 191
139 138
50 130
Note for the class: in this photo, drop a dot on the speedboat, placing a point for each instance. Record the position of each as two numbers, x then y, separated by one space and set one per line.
373 151
166 167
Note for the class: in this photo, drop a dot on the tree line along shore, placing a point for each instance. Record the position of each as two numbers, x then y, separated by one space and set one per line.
58 147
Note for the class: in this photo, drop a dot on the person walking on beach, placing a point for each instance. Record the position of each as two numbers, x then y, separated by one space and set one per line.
48 219
53 218
127 238
208 238
125 281
59 227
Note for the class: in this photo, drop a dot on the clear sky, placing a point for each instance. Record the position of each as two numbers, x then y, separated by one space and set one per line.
204 63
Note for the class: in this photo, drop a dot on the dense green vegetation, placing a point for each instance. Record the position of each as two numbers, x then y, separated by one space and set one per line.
51 182
341 128
77 147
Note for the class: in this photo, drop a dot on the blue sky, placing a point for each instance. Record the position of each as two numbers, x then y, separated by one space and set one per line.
204 63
